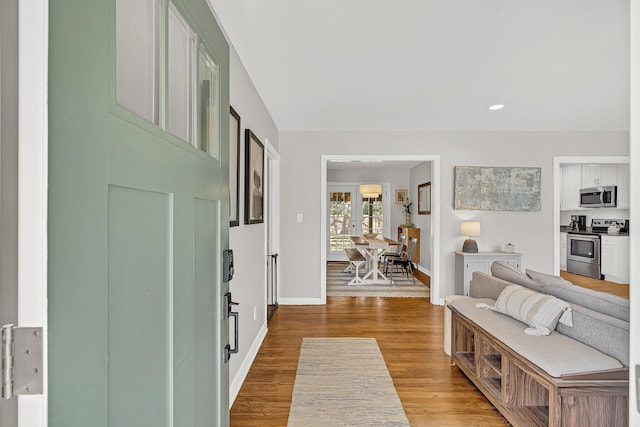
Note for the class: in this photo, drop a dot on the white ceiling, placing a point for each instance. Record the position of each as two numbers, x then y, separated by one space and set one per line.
435 65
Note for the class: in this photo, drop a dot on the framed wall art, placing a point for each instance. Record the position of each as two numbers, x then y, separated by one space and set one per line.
402 196
424 199
234 168
497 188
253 179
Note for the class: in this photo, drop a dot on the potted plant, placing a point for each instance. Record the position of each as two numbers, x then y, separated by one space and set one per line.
406 208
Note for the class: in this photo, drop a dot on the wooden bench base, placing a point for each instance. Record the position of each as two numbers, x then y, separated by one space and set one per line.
525 394
356 259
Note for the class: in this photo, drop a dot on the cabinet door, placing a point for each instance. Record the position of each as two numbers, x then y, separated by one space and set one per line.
571 184
608 174
590 175
623 185
563 251
609 256
483 265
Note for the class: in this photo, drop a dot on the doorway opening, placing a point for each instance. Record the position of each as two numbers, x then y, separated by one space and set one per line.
432 236
272 209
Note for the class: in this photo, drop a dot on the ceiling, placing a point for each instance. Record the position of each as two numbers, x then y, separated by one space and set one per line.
435 65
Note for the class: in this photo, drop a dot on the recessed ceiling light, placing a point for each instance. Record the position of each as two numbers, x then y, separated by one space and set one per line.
496 107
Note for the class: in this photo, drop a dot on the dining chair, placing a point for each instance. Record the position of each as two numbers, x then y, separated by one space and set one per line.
397 251
404 260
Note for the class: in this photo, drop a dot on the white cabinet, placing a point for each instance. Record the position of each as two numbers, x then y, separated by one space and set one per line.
599 174
563 251
577 176
467 263
623 186
571 184
615 258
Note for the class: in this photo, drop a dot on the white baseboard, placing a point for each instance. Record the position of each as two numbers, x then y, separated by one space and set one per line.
241 375
301 301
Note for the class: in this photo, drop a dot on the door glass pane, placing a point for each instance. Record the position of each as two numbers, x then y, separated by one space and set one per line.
137 57
180 72
372 215
209 135
339 221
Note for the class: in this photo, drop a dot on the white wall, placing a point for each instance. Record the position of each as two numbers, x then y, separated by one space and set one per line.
530 232
248 286
634 393
421 174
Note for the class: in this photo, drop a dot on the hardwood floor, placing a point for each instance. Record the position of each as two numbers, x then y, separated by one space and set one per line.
409 332
596 285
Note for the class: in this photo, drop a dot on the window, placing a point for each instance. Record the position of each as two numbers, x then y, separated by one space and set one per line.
372 219
138 57
180 77
192 95
209 135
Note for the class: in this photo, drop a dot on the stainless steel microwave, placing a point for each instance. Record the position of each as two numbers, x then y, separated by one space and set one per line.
599 197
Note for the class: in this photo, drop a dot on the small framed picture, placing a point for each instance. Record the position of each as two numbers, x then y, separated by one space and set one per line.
253 179
402 196
424 199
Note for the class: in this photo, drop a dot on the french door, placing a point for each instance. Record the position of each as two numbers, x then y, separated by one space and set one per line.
352 215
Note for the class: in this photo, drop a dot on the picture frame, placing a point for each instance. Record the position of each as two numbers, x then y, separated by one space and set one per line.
253 179
424 198
234 168
402 196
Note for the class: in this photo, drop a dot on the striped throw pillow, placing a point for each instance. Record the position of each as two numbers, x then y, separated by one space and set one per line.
541 312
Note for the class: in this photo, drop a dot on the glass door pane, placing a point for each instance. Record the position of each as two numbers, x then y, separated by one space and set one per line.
341 223
372 216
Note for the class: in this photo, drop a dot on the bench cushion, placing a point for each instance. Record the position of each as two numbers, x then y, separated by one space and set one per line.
555 354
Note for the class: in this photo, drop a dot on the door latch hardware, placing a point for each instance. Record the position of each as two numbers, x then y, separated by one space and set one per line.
228 350
21 361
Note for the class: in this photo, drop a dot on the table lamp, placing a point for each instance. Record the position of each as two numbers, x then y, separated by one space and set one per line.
470 229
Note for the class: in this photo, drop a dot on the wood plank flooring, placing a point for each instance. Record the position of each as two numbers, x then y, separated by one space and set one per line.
596 285
409 332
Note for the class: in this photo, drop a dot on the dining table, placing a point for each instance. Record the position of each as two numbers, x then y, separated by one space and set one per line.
372 248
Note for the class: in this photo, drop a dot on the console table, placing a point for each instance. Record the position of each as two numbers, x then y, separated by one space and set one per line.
467 263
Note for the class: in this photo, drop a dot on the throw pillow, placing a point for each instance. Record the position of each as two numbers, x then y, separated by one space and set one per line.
541 312
547 279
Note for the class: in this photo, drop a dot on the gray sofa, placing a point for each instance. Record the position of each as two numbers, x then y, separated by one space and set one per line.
595 347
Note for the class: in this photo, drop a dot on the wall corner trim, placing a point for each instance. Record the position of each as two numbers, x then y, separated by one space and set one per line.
302 301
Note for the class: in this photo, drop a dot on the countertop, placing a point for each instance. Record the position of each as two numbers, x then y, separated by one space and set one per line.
565 229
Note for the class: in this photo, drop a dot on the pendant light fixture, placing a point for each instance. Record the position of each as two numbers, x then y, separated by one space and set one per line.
370 191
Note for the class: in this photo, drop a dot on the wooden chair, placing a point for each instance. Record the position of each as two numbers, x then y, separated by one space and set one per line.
404 261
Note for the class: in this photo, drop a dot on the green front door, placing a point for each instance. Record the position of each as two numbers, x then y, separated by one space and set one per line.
138 219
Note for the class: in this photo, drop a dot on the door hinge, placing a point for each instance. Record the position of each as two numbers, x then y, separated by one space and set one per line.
21 361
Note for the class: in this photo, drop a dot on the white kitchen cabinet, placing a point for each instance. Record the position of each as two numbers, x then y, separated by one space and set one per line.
563 251
596 174
623 185
614 263
467 263
571 184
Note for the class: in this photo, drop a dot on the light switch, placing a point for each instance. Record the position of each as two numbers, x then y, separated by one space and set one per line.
299 217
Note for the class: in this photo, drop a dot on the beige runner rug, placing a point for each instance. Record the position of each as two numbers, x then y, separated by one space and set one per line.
344 382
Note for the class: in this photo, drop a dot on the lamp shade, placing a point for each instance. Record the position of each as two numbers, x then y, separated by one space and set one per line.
370 190
470 228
